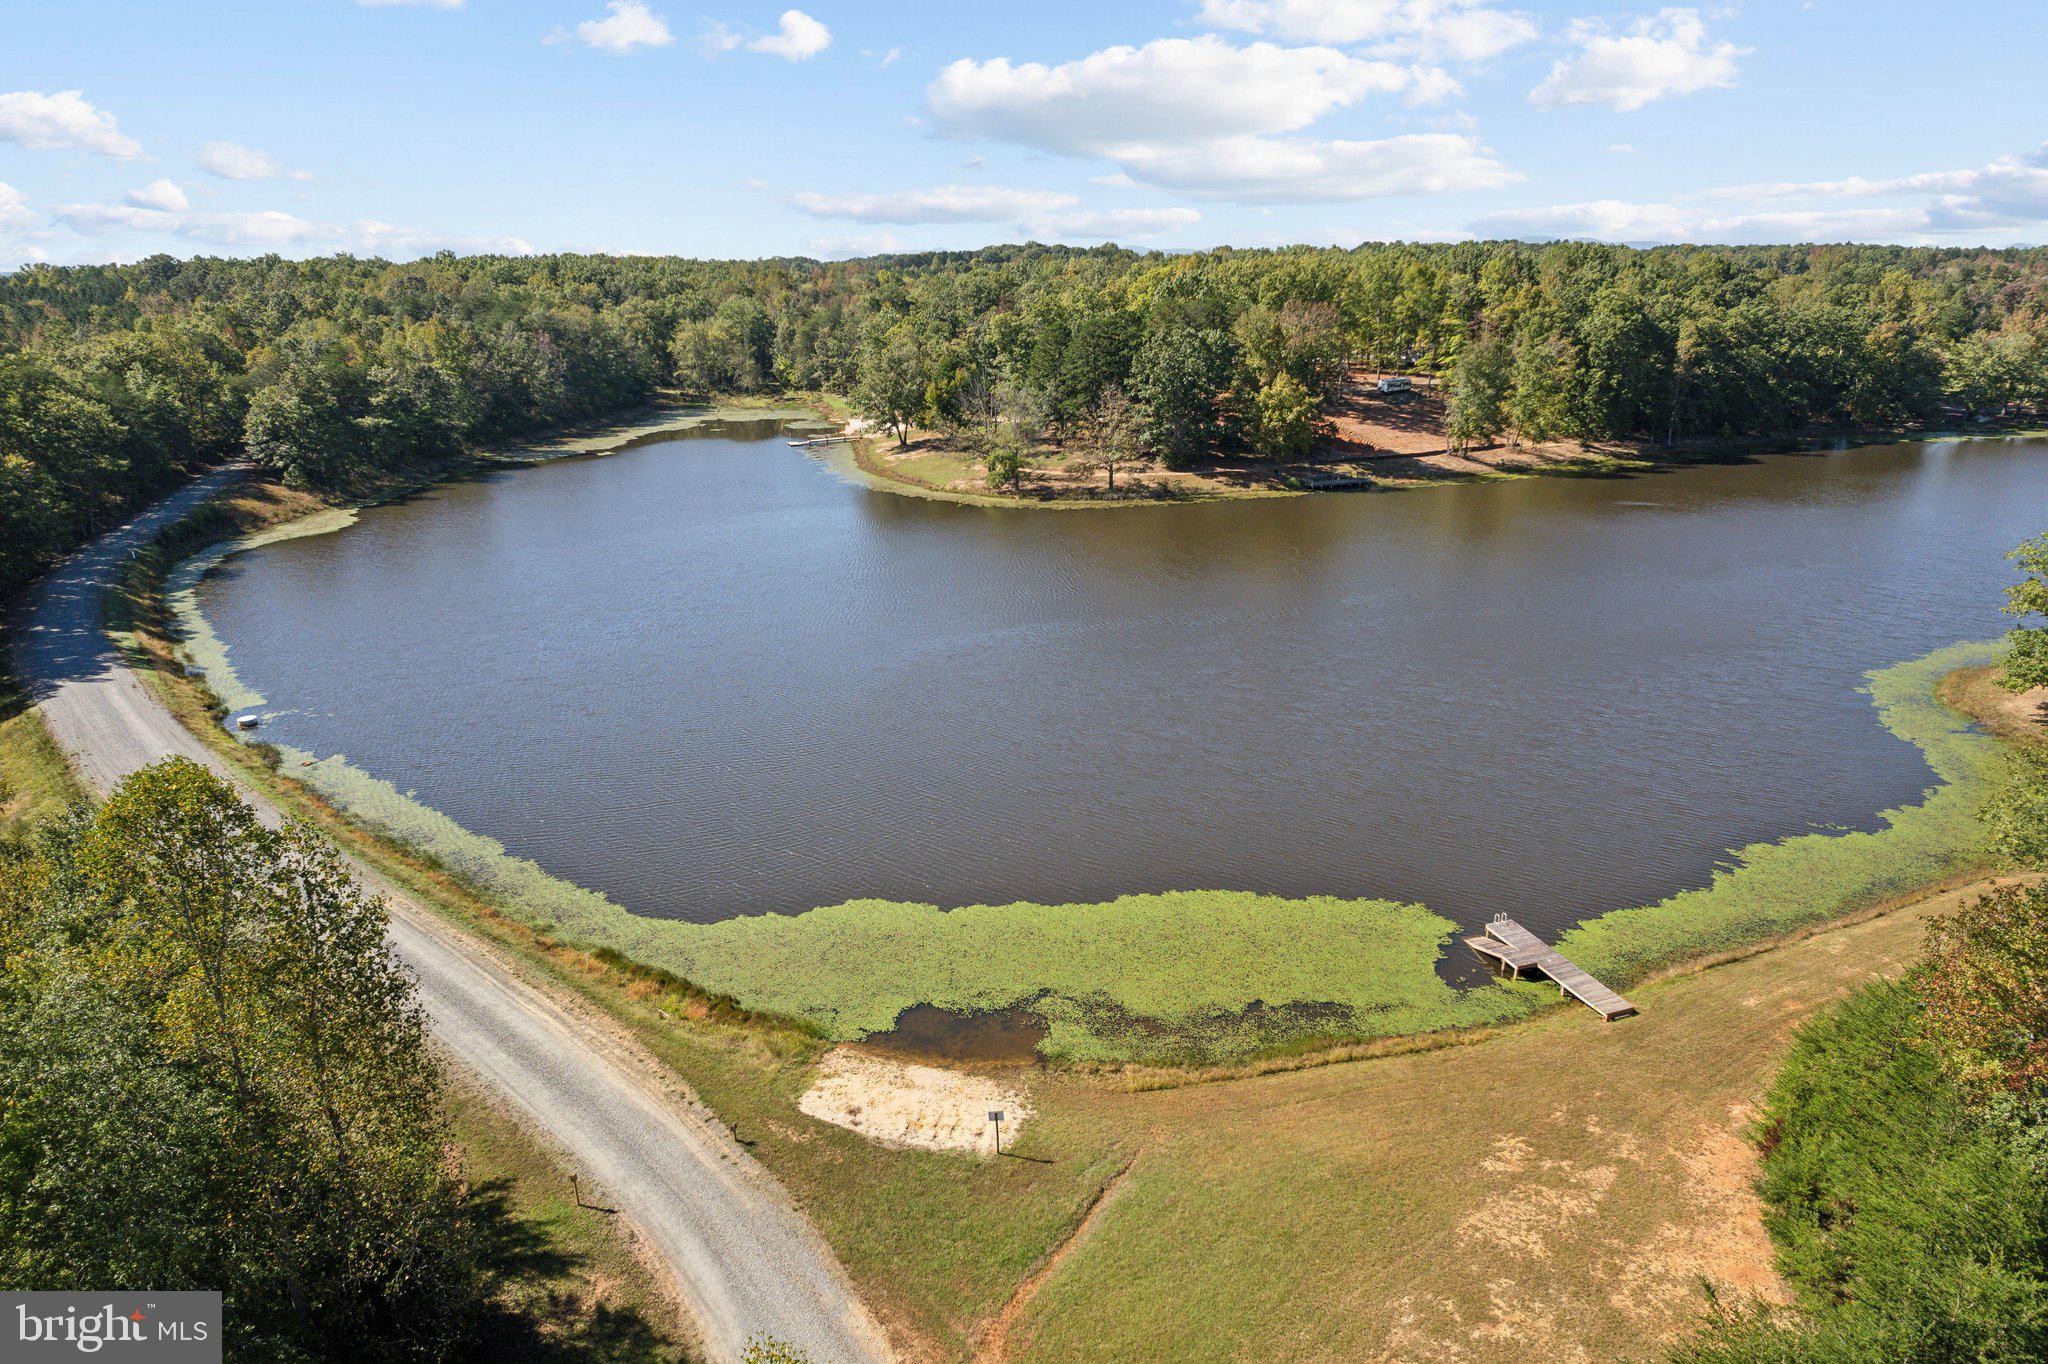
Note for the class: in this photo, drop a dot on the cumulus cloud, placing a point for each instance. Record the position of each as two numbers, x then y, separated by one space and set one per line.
233 161
65 121
797 38
1655 57
1300 171
1439 30
627 24
160 194
1205 116
1048 214
13 206
1173 89
276 230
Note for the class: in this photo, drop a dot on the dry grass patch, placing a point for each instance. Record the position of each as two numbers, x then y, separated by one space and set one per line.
1563 1187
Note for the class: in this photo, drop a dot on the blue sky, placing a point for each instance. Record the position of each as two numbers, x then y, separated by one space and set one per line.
406 126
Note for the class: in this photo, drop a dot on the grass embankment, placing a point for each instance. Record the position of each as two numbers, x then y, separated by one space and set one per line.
1562 1189
35 782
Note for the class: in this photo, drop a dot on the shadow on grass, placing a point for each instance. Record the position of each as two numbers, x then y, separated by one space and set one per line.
538 1310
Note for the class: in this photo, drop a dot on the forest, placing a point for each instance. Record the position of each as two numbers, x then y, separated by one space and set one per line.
116 380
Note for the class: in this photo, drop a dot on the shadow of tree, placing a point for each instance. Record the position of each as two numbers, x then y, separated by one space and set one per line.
532 1313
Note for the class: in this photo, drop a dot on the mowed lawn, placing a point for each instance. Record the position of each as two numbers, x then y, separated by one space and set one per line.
1562 1190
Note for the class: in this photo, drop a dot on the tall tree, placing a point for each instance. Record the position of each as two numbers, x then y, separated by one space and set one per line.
1478 410
892 382
225 990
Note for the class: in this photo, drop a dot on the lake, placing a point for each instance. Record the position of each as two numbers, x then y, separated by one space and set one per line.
708 677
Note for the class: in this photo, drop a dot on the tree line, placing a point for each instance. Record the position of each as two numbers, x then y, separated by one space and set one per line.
116 379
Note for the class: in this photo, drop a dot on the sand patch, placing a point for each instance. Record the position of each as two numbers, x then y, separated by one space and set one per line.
1723 1242
900 1104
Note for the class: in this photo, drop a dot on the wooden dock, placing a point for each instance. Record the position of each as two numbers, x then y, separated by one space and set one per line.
819 440
1515 949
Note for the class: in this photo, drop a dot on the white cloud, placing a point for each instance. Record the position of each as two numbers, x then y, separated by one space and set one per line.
2002 201
889 58
13 206
1300 171
2010 191
160 194
1109 224
1049 214
65 121
628 24
233 161
1443 30
857 244
1202 115
1614 220
945 204
1655 57
275 230
797 37
1170 90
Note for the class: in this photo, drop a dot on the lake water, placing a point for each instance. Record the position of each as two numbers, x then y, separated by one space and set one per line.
708 677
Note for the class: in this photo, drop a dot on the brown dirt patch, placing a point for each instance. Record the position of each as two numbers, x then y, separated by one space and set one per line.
2018 716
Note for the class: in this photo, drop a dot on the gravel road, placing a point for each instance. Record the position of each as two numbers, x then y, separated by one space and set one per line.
741 1255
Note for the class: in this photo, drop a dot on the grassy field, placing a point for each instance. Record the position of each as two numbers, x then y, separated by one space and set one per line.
34 781
1562 1189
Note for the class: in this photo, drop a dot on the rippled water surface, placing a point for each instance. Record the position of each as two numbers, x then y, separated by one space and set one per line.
707 677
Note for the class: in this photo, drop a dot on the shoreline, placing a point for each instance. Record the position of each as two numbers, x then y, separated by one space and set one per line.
863 461
1073 963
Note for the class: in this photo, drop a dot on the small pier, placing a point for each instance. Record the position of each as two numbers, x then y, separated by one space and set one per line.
819 440
1510 947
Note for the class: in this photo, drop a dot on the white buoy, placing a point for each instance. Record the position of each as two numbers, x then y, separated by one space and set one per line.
245 722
